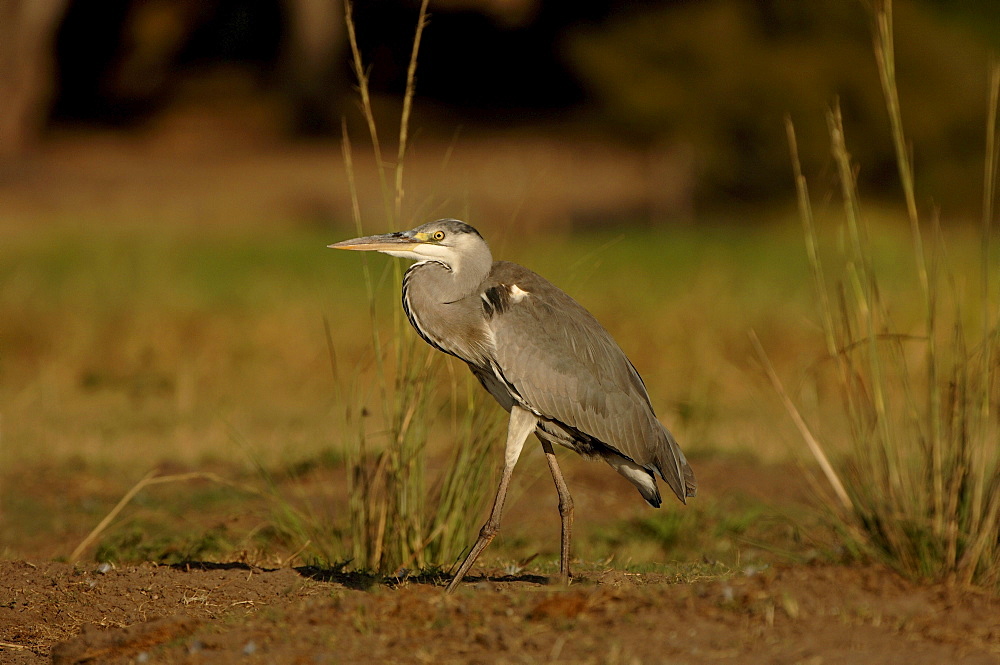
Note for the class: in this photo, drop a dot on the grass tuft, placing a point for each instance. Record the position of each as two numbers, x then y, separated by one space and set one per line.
401 515
921 480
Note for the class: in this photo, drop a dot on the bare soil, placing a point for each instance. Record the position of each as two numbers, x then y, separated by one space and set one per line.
234 613
777 606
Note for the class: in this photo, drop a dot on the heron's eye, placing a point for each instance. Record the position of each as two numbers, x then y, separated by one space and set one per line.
438 235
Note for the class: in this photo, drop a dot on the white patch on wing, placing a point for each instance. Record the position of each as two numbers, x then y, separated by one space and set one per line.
517 294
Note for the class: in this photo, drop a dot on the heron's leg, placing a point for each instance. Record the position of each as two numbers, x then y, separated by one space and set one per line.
565 509
522 424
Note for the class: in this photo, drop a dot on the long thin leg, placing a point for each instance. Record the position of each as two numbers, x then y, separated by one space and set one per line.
565 509
522 424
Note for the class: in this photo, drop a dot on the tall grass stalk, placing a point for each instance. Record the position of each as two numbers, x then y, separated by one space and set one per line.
922 473
399 516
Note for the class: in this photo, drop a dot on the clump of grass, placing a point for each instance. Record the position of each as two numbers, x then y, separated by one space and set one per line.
460 494
920 486
398 517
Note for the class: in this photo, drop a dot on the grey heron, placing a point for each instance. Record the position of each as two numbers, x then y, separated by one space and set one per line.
542 356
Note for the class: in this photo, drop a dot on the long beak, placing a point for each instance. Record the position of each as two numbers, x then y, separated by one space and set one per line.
386 242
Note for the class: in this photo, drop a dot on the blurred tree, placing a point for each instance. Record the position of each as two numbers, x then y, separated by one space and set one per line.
703 82
26 32
120 59
720 75
982 16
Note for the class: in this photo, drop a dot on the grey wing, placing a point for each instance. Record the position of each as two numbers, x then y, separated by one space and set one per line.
567 367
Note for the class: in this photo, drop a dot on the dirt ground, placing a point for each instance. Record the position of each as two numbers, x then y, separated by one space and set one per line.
233 613
777 606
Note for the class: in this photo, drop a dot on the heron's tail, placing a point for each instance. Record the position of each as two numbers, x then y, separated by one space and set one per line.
668 462
673 467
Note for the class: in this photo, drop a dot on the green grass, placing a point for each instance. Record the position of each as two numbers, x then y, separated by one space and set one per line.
136 542
234 335
730 531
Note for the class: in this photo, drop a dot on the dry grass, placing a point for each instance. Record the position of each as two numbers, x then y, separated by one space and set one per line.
401 515
923 473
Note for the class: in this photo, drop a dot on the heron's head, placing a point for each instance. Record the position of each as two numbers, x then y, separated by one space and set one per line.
447 240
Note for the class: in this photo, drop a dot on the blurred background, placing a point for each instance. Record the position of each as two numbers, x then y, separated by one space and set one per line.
622 111
172 170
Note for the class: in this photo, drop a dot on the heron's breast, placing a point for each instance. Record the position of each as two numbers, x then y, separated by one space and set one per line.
453 327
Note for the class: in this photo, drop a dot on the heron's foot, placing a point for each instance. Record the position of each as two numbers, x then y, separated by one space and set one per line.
456 580
486 535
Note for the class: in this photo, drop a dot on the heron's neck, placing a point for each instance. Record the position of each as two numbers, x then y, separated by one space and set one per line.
463 278
471 272
443 305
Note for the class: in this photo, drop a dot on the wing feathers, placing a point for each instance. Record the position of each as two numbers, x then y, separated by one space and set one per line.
563 363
